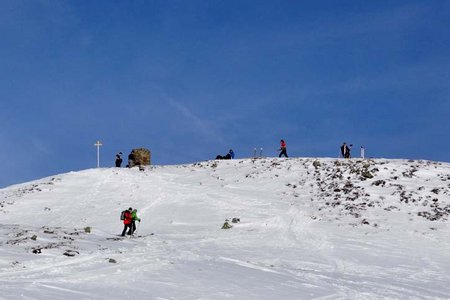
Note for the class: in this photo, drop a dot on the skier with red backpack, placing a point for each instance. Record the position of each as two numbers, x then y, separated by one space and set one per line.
127 218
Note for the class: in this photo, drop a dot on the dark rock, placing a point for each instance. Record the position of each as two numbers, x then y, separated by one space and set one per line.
71 253
435 191
379 182
226 225
366 174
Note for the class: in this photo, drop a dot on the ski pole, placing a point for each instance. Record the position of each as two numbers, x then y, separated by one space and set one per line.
137 227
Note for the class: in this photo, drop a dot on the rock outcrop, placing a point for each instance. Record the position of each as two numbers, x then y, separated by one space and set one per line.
142 157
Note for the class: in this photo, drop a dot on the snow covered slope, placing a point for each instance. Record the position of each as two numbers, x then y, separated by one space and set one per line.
308 229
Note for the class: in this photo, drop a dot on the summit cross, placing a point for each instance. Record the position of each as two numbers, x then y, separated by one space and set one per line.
98 144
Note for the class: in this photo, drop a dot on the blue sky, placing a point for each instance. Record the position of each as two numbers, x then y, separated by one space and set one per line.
191 79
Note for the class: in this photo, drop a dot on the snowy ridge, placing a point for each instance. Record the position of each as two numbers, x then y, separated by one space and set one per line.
309 228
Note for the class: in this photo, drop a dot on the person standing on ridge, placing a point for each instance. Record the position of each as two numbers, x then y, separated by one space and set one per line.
131 159
127 222
134 218
231 152
345 150
282 149
118 159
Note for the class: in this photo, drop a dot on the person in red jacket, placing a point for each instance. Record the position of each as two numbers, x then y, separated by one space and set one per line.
282 149
127 222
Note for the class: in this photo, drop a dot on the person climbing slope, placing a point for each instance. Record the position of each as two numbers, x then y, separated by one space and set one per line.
127 222
134 218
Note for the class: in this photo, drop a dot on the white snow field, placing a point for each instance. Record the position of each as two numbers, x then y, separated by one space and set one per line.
308 229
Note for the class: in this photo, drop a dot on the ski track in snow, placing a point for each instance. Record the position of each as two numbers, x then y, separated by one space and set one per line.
309 229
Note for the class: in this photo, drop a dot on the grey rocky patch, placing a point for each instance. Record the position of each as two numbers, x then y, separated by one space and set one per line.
339 186
410 172
379 183
71 253
26 239
435 191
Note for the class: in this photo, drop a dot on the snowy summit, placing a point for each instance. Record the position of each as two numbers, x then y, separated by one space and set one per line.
267 228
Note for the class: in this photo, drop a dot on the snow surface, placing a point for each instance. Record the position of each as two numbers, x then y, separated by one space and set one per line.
309 229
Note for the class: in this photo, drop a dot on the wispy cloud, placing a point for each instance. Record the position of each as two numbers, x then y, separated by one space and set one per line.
198 124
40 146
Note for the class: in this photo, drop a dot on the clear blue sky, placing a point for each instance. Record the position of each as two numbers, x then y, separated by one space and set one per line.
191 79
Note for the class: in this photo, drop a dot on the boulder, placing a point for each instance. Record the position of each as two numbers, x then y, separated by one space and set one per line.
366 174
316 164
142 157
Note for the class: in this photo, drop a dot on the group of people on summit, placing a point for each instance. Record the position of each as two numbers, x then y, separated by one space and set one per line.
345 152
230 154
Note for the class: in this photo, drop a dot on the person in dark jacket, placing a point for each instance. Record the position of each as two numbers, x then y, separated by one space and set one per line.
118 159
128 222
282 149
131 159
345 150
229 155
231 152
